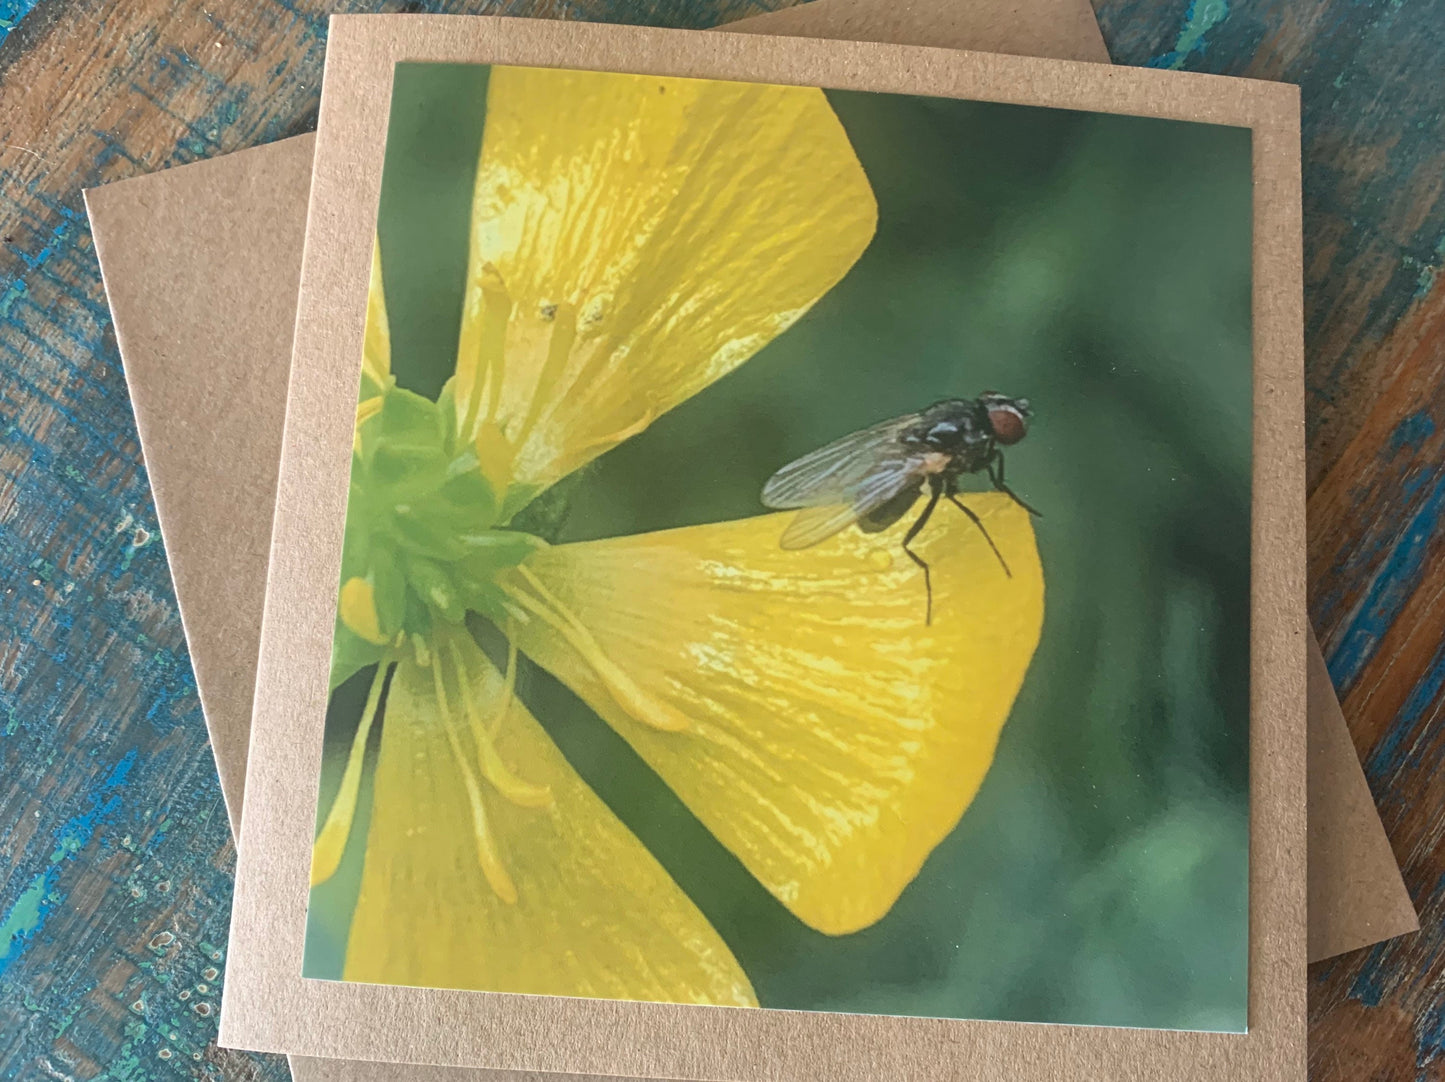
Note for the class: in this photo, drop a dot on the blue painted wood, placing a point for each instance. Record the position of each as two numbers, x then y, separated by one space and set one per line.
113 841
11 12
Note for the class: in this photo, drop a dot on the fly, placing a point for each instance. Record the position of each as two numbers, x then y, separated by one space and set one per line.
873 477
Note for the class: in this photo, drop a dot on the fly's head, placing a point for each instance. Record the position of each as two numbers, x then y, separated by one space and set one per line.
1008 418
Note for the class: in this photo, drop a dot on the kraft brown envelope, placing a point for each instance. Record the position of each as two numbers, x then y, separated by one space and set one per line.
1350 860
269 1006
231 229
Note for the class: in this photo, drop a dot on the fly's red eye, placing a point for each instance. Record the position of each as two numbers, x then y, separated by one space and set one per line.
1008 427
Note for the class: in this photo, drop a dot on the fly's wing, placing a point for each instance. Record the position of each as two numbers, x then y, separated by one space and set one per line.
815 524
833 473
838 484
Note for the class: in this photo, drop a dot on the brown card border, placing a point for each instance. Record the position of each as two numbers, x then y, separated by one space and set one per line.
269 1006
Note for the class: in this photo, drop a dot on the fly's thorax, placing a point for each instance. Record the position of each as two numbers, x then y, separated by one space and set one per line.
956 428
972 458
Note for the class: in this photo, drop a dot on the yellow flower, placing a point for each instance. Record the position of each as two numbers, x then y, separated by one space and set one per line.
626 252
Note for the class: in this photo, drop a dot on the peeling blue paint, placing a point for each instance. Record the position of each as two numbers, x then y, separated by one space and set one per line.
1386 757
1430 1042
11 12
1202 17
1392 585
1411 432
28 912
1367 987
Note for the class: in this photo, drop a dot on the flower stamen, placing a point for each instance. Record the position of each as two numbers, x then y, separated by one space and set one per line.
522 793
509 687
482 377
559 348
493 769
489 859
331 841
620 686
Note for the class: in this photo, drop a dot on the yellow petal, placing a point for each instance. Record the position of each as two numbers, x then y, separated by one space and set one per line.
376 346
580 909
834 738
356 606
331 840
635 238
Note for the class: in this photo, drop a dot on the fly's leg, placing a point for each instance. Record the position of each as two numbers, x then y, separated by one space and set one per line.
953 498
995 474
918 524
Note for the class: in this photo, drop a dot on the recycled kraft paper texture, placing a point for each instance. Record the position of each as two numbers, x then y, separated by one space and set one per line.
266 1003
253 186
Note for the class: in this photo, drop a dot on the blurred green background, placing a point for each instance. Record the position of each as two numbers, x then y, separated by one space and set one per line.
1100 266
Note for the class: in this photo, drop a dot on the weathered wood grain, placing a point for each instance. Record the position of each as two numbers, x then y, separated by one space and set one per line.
113 842
1374 172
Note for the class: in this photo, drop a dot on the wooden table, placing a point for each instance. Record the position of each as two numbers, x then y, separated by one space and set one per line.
113 841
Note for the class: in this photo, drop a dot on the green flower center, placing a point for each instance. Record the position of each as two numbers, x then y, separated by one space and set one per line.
426 544
424 526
